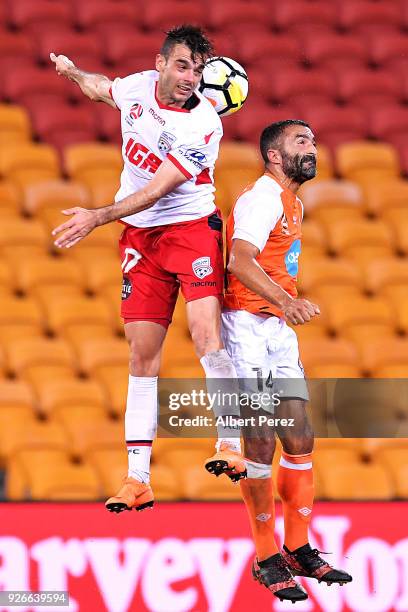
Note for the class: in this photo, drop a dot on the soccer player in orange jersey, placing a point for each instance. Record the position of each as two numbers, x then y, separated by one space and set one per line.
263 240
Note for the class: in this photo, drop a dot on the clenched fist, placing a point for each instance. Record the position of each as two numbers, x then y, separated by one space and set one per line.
300 311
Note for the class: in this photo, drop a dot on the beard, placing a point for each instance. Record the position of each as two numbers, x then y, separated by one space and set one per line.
299 168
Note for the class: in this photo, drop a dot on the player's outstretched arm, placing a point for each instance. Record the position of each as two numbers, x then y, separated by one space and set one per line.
94 86
83 221
244 266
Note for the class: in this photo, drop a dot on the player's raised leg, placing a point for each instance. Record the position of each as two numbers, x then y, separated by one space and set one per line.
145 342
204 323
295 487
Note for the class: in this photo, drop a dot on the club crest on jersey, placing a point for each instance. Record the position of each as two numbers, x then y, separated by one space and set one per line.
202 267
135 112
165 141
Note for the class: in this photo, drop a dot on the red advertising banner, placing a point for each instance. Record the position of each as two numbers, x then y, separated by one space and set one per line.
196 557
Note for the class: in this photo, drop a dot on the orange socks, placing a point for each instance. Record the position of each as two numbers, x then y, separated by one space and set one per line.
260 505
295 487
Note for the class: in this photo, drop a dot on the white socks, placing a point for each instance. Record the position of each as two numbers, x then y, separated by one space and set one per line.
218 365
258 470
140 424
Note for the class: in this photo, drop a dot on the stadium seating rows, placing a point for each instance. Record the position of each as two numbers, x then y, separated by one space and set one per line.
346 73
63 358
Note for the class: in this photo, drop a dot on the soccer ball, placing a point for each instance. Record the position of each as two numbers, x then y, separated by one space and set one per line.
225 84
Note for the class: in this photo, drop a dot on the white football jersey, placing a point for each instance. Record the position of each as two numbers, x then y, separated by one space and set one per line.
151 132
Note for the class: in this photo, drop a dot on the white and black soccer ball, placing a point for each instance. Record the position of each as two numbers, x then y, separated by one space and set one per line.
225 84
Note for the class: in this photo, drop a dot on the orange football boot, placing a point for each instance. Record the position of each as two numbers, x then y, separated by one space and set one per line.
227 461
133 494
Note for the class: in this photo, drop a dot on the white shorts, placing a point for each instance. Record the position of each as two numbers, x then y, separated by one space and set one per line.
265 348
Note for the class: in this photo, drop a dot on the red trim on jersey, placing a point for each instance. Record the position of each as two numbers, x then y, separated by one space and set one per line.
204 177
179 166
165 107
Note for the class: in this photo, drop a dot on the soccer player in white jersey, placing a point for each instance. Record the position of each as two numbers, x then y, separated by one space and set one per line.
263 241
172 236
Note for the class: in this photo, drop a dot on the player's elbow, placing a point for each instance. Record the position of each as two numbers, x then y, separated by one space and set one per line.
232 265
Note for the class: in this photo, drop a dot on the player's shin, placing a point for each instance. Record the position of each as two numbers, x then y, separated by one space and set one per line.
140 425
257 492
223 389
295 487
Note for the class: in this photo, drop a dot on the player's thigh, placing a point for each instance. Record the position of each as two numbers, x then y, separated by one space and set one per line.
149 293
194 254
286 370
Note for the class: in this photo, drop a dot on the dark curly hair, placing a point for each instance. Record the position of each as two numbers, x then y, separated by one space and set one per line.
192 36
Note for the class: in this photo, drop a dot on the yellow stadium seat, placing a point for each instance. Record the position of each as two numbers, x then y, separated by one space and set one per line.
328 352
6 278
191 370
382 196
16 480
14 415
100 274
313 329
165 483
15 125
358 311
34 351
111 465
28 162
81 332
233 181
392 371
324 444
365 162
15 393
313 235
396 461
16 231
198 484
62 389
84 252
54 194
322 370
32 434
178 459
85 434
374 446
357 481
60 479
92 162
9 199
177 350
385 351
332 200
114 381
103 191
325 273
350 237
397 218
111 295
383 275
324 163
162 446
324 458
31 274
22 312
96 353
239 155
62 312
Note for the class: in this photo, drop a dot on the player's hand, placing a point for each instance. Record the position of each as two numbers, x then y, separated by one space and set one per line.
63 65
82 222
300 311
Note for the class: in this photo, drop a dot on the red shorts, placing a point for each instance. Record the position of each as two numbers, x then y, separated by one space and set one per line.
156 261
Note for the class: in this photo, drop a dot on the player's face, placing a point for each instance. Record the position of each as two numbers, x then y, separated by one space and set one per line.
299 154
179 75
